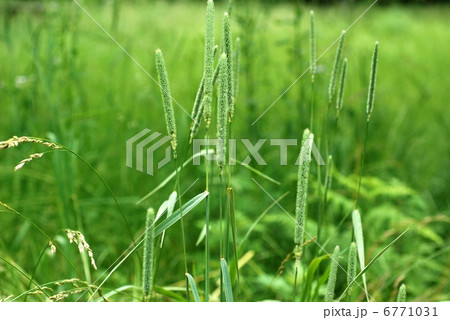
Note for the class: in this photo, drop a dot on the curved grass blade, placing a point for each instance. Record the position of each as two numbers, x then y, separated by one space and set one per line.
310 274
358 231
173 174
191 204
259 173
168 293
113 292
226 281
232 217
170 206
194 287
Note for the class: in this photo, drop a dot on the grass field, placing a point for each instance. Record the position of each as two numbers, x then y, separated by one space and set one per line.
63 79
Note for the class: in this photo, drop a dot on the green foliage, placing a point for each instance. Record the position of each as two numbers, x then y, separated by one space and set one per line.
62 78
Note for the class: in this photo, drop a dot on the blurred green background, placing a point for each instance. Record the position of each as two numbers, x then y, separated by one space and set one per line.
62 78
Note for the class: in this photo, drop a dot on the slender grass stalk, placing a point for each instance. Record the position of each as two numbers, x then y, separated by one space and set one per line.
332 89
232 217
301 199
331 284
227 44
351 267
172 132
312 45
207 218
149 255
312 62
222 112
401 297
369 109
324 203
208 74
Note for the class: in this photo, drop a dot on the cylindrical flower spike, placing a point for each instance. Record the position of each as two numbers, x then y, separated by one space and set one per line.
209 62
222 111
336 64
167 100
372 83
302 192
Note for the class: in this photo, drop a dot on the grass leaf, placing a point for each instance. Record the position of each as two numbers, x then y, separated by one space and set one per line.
358 231
194 287
226 281
191 204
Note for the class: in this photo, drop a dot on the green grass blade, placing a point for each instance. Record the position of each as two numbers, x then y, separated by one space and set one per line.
358 231
232 215
259 173
226 281
169 221
170 294
310 274
193 287
170 206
